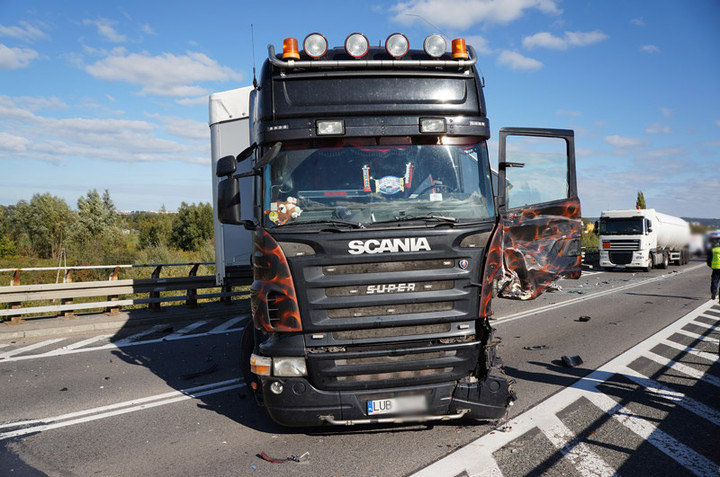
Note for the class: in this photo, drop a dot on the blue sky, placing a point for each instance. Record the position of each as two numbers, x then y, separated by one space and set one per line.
114 95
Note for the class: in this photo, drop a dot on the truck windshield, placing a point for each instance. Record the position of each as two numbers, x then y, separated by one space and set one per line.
371 180
624 226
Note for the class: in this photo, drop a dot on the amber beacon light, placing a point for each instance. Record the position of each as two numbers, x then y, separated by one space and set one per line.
290 49
459 49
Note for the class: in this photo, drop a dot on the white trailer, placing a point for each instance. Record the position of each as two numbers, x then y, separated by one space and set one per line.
229 135
642 238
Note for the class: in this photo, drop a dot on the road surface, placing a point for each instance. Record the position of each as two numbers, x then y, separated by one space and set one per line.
167 400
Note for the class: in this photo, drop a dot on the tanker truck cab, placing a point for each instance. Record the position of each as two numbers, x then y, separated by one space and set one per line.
642 238
377 236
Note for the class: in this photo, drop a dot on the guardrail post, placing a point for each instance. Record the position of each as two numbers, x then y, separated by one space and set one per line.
14 282
113 309
191 300
67 278
155 306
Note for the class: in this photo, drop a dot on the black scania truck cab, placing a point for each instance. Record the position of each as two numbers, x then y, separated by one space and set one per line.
378 239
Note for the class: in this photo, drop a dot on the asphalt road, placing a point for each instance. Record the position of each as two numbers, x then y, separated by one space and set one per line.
170 402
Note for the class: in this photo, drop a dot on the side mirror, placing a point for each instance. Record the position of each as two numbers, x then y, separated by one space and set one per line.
649 226
226 166
597 227
228 200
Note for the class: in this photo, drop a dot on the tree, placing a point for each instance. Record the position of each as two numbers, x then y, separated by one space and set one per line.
192 226
155 230
44 221
95 215
640 202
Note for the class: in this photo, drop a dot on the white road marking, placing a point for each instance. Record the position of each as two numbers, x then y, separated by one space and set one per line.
228 324
82 343
577 453
698 337
468 458
703 325
31 347
116 345
665 392
590 296
4 345
102 412
186 330
712 357
589 274
685 369
132 338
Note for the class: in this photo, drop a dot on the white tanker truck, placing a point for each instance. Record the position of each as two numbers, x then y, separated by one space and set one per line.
642 238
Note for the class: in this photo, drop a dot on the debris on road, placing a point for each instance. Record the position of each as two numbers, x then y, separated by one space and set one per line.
63 389
293 458
578 292
583 318
209 370
571 361
532 348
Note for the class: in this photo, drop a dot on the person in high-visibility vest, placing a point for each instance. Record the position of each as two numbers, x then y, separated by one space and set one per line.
713 261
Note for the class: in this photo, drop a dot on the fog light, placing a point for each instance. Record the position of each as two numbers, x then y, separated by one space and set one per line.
397 45
330 127
260 365
435 45
357 45
276 387
289 367
315 45
432 125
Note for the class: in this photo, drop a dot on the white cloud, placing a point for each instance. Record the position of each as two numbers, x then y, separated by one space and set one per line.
32 103
462 14
569 39
518 62
12 58
479 43
165 75
106 29
666 112
37 136
23 31
623 141
658 128
12 143
650 49
638 21
147 29
193 101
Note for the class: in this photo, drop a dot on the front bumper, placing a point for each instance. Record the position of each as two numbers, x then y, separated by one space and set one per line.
301 404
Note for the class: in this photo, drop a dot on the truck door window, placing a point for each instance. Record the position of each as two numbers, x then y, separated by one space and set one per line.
544 177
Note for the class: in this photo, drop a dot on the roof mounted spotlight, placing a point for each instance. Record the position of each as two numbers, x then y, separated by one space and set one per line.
315 45
357 45
435 45
397 45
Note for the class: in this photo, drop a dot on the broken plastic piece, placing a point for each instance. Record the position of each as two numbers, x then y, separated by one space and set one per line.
266 457
536 347
571 361
583 318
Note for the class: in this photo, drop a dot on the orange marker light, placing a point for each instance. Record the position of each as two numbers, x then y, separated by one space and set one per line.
459 50
290 49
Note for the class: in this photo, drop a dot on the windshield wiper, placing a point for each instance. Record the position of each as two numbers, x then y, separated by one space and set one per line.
354 225
427 218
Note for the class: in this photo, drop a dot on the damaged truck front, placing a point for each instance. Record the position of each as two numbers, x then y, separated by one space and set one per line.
376 236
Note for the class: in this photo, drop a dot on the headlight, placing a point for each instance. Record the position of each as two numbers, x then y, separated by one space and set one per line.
260 365
357 45
284 367
432 125
397 45
435 45
324 127
315 45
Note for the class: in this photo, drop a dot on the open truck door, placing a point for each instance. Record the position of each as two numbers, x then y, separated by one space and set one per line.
540 220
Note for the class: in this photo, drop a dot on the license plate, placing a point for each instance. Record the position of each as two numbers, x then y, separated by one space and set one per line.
399 405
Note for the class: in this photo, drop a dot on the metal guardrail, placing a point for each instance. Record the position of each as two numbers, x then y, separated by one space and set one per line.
16 294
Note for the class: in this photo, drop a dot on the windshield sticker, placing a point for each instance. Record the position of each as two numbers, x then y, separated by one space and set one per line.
408 175
281 212
435 197
366 178
389 185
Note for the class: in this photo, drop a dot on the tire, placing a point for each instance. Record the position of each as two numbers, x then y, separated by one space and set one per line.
247 346
665 262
